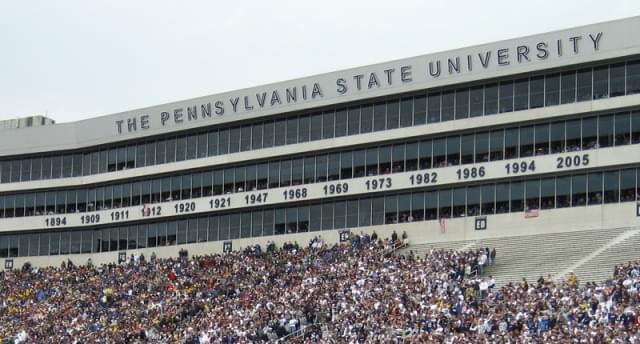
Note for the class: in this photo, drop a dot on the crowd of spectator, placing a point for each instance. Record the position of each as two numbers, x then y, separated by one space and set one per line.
353 292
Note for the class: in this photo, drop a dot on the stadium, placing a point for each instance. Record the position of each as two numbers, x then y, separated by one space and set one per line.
529 147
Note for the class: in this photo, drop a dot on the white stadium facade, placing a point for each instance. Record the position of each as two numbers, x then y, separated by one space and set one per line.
538 134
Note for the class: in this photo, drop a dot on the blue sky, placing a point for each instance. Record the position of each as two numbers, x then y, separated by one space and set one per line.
75 59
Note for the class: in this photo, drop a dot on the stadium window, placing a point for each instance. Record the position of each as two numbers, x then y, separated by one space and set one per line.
516 193
506 96
359 164
526 141
245 225
557 137
431 205
256 135
439 152
542 139
584 85
269 132
444 203
202 145
417 206
601 82
339 214
274 175
285 173
532 194
547 193
536 92
245 138
390 209
327 216
490 99
377 211
578 190
352 213
611 186
628 185
333 167
303 218
341 123
633 77
448 106
315 217
462 103
635 127
622 127
346 165
256 223
552 89
398 157
488 199
521 95
511 143
54 244
404 208
420 110
292 130
411 156
25 168
181 146
192 146
433 108
150 154
212 229
481 147
213 143
234 140
496 145
384 156
476 96
406 112
65 242
321 168
223 227
316 124
309 170
366 119
605 131
353 121
379 116
573 136
589 133
473 201
617 80
425 154
467 149
234 226
594 188
171 148
568 87
328 118
563 192
453 150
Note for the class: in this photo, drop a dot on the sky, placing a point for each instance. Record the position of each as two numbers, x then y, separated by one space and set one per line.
77 59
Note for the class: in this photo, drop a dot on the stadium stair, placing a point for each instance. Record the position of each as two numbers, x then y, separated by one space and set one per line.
598 266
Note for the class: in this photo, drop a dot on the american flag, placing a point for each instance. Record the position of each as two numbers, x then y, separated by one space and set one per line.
443 227
529 213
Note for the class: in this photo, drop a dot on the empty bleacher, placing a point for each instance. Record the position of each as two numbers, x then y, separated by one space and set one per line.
592 254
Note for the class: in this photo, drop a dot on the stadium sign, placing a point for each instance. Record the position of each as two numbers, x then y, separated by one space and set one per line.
390 75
